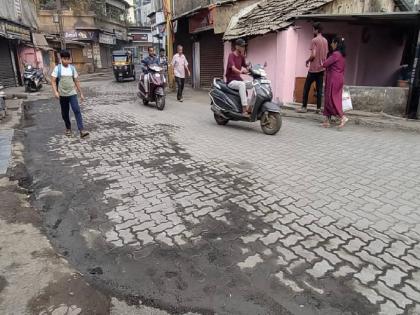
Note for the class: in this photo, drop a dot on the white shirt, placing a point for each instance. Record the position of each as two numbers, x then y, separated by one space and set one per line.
179 62
65 72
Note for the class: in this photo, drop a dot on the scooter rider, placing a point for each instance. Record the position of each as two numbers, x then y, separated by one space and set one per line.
235 67
149 60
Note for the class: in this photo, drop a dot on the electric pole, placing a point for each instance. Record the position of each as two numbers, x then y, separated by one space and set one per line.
60 25
167 9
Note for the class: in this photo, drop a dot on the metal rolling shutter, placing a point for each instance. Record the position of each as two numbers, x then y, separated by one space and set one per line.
211 58
7 75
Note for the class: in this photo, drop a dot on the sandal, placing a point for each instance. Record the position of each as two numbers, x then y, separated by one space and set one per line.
344 120
325 124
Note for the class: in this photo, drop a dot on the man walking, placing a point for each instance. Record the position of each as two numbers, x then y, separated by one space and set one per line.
319 52
180 65
235 67
65 83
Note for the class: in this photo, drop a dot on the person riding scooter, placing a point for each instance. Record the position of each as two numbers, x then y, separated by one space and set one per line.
146 62
236 66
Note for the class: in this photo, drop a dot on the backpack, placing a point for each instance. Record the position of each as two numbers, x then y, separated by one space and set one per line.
57 79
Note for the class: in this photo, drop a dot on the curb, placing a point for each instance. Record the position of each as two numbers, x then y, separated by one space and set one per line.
366 121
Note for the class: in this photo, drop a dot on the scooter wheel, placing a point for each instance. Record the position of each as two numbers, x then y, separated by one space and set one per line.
160 102
220 120
271 123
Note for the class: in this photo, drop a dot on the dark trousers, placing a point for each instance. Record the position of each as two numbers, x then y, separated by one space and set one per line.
66 102
318 77
180 86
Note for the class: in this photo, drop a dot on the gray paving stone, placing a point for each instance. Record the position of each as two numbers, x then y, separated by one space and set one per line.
352 216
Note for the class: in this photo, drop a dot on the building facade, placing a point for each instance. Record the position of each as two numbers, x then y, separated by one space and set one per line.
91 34
199 27
379 38
18 24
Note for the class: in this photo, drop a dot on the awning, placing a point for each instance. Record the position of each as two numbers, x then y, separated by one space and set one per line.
400 18
55 39
40 41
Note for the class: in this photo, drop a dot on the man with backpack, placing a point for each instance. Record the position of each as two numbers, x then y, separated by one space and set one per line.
65 83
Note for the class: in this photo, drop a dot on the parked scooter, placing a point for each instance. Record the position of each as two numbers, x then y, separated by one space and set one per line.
32 78
226 102
156 81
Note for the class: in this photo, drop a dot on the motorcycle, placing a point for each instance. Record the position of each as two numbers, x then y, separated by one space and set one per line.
156 81
32 78
226 102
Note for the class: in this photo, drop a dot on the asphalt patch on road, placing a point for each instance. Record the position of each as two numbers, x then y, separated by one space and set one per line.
70 295
202 276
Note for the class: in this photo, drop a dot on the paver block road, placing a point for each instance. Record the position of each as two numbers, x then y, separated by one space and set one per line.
192 216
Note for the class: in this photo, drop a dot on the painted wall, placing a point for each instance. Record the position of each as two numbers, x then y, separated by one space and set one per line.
260 50
28 55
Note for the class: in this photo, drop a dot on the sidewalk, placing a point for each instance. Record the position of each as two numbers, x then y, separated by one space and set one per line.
372 120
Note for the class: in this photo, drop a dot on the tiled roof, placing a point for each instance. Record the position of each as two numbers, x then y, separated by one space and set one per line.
271 15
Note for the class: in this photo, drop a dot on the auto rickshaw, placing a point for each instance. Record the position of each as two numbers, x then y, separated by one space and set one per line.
123 65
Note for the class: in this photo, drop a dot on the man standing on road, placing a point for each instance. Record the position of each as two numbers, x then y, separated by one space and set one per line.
235 67
319 52
65 83
180 64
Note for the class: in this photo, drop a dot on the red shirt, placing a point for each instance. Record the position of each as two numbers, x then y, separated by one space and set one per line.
319 46
234 60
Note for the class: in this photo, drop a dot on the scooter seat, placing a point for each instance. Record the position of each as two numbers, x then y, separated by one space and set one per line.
225 88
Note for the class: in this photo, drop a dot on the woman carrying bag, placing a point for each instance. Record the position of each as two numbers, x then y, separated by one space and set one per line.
335 66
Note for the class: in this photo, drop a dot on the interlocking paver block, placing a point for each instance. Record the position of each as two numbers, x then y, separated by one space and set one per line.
167 183
320 269
250 262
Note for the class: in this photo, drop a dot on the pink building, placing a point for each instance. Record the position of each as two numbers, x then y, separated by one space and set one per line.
378 45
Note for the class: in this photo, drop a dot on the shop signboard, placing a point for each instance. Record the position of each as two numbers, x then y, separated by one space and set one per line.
140 37
14 31
107 39
81 35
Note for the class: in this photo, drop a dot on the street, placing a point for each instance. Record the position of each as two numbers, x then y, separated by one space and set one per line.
188 216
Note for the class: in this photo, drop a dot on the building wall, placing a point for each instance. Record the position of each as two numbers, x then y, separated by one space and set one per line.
47 25
182 6
223 14
352 6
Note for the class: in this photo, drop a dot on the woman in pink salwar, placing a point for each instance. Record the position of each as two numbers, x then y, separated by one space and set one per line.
335 66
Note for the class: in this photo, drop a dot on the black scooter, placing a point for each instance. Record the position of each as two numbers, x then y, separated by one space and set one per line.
32 78
226 103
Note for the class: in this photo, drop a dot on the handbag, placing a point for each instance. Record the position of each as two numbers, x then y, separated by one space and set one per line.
347 104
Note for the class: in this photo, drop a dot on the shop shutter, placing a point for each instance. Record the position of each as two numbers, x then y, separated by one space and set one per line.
211 58
7 74
105 56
